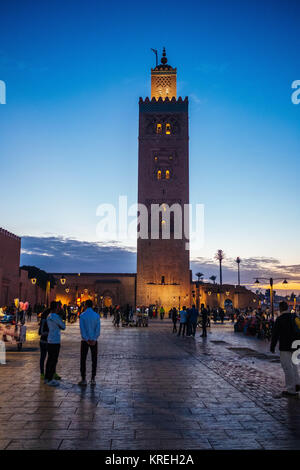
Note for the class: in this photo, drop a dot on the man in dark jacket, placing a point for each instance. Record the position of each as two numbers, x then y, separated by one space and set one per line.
283 331
193 319
204 315
43 332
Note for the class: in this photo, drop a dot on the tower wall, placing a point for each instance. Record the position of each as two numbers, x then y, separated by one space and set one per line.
163 275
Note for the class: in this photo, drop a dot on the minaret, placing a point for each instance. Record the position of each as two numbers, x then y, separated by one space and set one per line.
163 272
163 80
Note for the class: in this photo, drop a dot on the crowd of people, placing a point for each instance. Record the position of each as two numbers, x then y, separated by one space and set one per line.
257 323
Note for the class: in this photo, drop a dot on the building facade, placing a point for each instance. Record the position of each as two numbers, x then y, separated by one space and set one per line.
10 247
103 289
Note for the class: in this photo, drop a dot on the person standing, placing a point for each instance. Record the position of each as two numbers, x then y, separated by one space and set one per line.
90 327
162 312
182 324
43 332
222 315
29 313
55 325
193 319
284 333
174 317
204 315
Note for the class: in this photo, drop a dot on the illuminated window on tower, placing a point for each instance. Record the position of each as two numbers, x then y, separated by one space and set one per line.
159 175
167 174
168 128
158 128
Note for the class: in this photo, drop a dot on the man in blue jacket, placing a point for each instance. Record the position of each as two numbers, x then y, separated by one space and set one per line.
90 331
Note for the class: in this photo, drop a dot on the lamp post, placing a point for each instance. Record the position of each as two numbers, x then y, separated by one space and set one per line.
271 282
33 282
238 261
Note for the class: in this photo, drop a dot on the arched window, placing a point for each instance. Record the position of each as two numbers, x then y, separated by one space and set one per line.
159 174
167 174
158 128
168 128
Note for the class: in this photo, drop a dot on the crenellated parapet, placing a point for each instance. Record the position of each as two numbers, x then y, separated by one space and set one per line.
163 105
161 100
8 234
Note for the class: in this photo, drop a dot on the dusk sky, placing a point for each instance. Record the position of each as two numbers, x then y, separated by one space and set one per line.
74 72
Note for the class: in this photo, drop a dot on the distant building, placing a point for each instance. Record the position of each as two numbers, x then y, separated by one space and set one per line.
10 247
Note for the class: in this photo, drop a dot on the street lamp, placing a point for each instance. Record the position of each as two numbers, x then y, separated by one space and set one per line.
62 280
33 280
271 281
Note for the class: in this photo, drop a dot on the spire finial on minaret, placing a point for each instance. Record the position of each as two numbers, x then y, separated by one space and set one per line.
164 59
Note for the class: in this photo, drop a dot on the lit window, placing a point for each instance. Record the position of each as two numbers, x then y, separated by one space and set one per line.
168 128
170 157
156 158
158 128
167 174
159 175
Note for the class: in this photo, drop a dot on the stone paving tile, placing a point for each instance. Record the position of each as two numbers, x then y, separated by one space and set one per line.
34 444
124 444
279 444
235 444
78 444
62 433
4 443
20 433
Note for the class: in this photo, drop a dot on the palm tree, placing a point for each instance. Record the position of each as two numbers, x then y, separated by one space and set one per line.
199 276
238 260
219 256
213 279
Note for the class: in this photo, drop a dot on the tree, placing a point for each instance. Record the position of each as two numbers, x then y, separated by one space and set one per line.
199 276
238 261
219 256
213 279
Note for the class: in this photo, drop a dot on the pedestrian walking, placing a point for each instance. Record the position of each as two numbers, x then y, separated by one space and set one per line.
182 324
204 315
284 333
90 327
55 325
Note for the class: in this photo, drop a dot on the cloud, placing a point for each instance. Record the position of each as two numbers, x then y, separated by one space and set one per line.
251 268
58 254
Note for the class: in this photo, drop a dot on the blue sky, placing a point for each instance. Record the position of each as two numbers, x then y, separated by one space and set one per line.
74 71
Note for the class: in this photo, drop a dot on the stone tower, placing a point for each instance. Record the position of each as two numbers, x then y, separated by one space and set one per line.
163 271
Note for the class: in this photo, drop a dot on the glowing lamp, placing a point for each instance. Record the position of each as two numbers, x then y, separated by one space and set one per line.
33 280
62 280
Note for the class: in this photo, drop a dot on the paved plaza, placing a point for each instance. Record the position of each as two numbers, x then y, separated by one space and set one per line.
154 391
